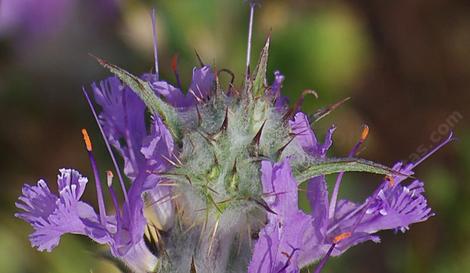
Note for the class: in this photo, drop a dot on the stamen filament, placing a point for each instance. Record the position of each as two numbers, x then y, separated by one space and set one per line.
435 149
250 35
109 177
94 167
108 147
339 178
388 180
155 42
325 259
327 256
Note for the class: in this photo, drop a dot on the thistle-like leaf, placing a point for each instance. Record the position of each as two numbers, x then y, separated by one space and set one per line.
330 166
260 75
145 92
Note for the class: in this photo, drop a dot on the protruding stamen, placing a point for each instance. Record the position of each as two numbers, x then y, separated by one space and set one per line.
390 180
86 139
155 42
365 133
94 167
325 259
109 178
341 237
108 147
250 35
362 139
447 140
339 178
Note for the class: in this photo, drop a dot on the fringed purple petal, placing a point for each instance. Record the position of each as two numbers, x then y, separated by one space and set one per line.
52 216
396 207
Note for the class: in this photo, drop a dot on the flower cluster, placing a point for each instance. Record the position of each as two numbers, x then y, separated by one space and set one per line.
211 184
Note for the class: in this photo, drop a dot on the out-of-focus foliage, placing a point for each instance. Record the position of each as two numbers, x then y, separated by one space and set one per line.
406 65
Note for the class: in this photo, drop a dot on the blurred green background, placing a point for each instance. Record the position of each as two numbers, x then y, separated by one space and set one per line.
405 65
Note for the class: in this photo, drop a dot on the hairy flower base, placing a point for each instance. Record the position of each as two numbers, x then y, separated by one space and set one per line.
214 181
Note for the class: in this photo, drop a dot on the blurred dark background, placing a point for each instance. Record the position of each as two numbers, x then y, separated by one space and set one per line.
405 65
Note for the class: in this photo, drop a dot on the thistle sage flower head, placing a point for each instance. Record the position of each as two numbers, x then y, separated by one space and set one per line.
211 184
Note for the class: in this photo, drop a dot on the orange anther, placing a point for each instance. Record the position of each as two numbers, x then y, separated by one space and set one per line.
391 180
87 140
109 174
341 237
365 133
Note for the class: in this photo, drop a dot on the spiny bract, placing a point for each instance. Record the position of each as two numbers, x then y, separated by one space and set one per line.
221 137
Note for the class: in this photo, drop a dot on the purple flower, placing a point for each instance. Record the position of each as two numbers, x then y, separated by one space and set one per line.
209 167
277 249
293 239
53 215
123 123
